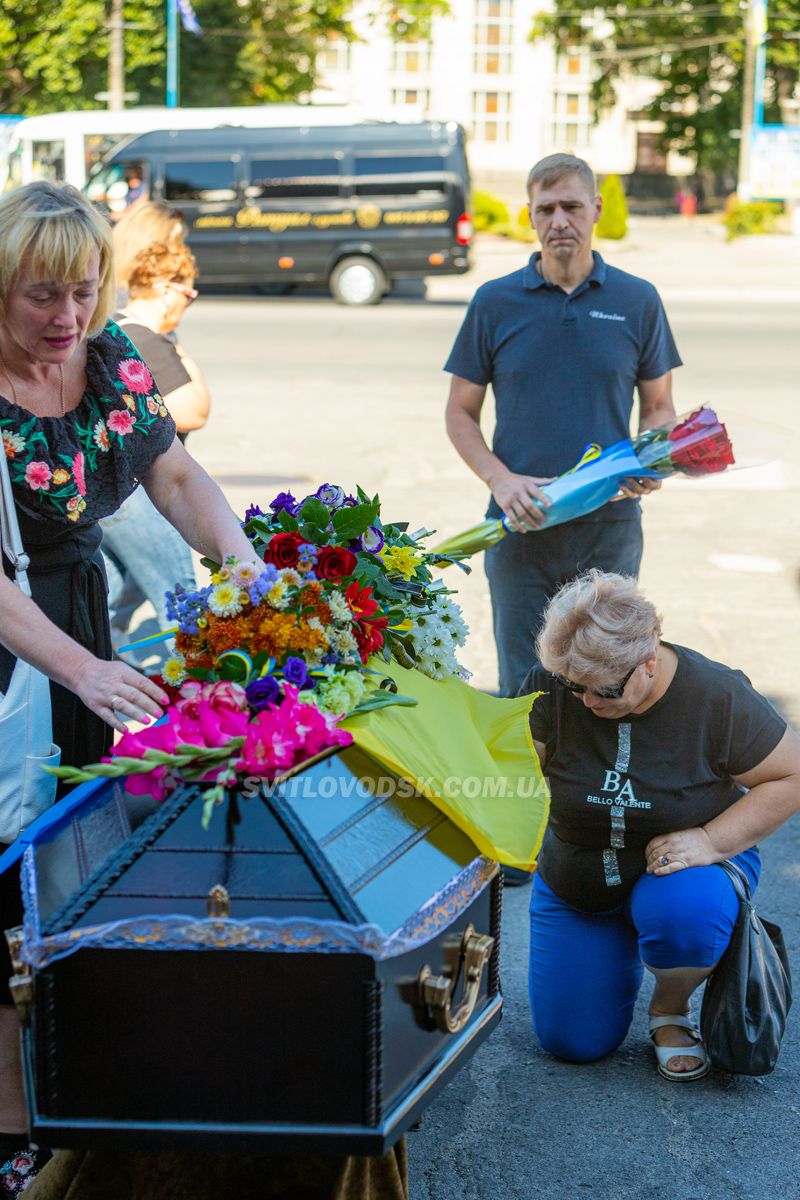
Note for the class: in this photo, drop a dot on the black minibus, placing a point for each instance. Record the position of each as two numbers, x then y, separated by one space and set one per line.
353 206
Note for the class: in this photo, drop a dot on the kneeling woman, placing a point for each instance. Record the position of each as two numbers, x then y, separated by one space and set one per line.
661 763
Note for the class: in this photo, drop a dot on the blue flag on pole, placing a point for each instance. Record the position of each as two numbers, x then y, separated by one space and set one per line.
188 18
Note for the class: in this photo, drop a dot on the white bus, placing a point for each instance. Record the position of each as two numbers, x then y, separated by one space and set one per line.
64 147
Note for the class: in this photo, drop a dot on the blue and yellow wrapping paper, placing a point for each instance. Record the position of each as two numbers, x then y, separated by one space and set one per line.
470 754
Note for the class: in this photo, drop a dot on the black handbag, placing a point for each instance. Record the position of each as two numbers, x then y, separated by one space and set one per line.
749 994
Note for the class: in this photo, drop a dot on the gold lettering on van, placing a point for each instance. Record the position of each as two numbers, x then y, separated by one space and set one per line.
213 222
326 220
433 216
275 222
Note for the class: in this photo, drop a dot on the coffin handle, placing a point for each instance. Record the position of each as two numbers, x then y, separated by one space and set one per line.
467 959
21 982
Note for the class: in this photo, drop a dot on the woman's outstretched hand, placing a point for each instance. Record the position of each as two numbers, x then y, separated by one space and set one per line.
116 692
671 852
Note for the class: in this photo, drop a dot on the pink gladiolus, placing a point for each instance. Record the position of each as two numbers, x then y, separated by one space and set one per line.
221 696
157 784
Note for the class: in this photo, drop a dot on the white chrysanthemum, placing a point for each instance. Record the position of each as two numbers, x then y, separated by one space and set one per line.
278 595
434 634
290 577
340 609
225 600
173 672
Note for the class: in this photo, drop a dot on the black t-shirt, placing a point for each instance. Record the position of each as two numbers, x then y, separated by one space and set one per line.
615 784
158 351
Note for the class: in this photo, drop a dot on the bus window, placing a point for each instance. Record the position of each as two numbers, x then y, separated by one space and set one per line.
117 186
48 160
399 175
200 182
277 179
97 145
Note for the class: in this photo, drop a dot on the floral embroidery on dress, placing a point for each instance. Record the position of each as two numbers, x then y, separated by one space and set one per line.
121 405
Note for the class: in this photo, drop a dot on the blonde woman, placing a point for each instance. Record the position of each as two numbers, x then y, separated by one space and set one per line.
82 424
661 764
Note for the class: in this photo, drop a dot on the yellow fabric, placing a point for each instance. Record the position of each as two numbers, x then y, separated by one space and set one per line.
471 754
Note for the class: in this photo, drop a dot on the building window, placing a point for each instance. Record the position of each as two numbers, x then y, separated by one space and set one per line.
492 62
410 58
335 55
570 134
415 97
491 112
575 61
494 10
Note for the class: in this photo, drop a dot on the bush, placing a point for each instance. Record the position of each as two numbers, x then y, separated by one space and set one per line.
757 216
524 218
613 221
488 212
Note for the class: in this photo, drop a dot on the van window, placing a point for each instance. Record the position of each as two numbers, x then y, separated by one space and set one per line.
277 178
201 182
48 160
399 175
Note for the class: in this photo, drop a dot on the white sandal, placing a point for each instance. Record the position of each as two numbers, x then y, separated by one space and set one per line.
665 1053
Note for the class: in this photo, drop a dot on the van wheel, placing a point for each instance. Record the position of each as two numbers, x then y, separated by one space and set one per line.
358 280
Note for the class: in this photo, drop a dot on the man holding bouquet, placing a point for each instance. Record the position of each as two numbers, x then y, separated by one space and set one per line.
564 342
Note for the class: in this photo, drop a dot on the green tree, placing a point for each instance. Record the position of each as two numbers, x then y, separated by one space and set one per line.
54 55
695 51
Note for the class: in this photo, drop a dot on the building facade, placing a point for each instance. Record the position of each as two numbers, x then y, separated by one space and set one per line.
517 99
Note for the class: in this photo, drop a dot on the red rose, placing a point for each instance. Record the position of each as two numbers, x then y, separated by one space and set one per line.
283 548
700 445
335 562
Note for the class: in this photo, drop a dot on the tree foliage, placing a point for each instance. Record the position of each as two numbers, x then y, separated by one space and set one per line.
54 55
694 50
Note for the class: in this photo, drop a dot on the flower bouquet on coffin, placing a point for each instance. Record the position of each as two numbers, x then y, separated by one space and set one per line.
272 655
693 445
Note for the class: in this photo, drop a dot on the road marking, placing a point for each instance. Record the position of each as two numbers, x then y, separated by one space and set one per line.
751 564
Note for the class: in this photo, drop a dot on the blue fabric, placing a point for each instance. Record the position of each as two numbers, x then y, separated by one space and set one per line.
526 569
563 368
586 968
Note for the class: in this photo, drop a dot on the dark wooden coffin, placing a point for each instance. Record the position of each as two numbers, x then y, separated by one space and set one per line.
308 972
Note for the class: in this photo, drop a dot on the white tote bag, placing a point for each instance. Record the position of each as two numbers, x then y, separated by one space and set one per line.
26 725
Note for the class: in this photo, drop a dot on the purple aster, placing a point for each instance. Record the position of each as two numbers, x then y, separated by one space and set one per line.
285 502
263 693
295 672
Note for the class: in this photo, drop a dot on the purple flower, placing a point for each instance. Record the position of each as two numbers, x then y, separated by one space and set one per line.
285 502
253 511
263 693
295 672
331 495
372 540
330 659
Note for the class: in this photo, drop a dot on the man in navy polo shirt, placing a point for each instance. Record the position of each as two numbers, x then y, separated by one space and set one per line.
564 343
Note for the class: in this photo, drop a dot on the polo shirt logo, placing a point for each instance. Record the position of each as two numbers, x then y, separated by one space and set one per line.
601 316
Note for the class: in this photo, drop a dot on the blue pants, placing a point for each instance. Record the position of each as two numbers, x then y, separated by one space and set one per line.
526 569
145 557
586 968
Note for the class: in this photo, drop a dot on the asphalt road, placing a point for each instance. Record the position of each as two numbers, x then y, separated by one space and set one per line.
305 391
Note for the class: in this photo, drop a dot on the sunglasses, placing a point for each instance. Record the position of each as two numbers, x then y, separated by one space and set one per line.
189 292
607 693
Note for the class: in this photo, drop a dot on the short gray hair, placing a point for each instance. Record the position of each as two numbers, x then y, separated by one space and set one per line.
597 628
548 171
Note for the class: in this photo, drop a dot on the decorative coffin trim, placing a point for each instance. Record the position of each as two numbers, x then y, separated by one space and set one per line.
260 933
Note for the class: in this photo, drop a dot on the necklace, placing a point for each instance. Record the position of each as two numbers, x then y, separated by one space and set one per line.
62 402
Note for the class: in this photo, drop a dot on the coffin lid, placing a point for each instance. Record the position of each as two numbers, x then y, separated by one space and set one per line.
341 857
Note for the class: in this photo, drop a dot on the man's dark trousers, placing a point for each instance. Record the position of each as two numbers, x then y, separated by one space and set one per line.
526 569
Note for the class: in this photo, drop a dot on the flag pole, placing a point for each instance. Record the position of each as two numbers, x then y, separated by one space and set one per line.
172 53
